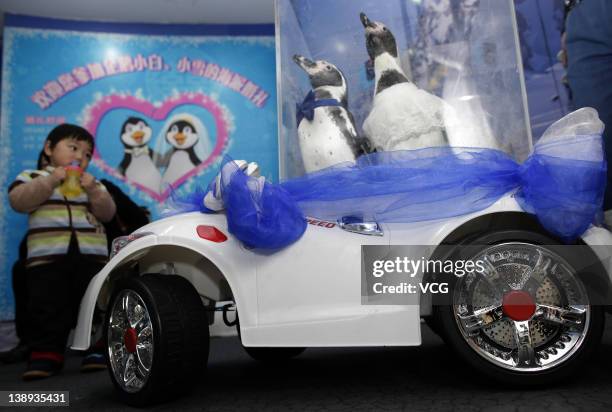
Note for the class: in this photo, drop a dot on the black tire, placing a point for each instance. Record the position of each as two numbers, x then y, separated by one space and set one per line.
477 357
269 354
180 338
433 323
273 354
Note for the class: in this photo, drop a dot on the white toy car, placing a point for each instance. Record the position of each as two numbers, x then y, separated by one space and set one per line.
164 282
534 316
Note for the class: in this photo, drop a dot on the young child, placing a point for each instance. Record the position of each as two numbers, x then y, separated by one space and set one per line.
66 245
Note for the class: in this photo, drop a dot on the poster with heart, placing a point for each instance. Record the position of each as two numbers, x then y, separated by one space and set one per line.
165 104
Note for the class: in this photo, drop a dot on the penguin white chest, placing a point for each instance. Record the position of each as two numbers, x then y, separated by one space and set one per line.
178 165
142 171
327 139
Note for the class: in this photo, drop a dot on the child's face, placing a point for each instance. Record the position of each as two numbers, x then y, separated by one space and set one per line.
67 151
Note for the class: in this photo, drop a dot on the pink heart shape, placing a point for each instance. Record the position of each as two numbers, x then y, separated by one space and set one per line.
108 103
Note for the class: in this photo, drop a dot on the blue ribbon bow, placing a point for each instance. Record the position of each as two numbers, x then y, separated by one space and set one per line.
562 182
306 109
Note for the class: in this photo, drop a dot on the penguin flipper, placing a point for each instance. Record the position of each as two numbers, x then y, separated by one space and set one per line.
194 157
361 143
445 136
364 145
124 164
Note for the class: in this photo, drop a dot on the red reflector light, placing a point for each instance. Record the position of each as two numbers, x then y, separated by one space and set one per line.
211 233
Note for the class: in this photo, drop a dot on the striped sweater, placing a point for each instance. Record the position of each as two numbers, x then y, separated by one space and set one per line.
54 219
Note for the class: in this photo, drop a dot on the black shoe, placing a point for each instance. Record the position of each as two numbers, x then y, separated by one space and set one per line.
93 362
41 369
18 354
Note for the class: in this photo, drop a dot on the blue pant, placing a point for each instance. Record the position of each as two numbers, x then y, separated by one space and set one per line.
589 50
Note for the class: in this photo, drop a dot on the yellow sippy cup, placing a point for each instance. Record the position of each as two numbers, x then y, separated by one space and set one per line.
71 187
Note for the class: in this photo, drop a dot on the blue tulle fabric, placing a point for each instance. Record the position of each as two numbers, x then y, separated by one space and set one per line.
562 183
261 214
563 191
185 203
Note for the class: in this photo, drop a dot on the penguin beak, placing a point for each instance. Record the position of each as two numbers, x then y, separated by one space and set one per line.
303 62
365 21
138 135
180 138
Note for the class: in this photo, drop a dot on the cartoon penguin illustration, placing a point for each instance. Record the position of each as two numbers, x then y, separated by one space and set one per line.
402 117
189 146
137 164
326 129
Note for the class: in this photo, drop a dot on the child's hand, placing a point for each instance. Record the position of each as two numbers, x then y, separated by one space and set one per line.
88 181
59 174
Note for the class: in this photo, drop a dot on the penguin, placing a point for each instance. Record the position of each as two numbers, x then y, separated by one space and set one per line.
326 129
137 163
183 136
402 117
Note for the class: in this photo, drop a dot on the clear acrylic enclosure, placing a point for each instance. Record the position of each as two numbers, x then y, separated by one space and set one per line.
463 51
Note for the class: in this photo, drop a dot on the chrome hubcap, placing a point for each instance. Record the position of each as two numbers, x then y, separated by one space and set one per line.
130 341
526 312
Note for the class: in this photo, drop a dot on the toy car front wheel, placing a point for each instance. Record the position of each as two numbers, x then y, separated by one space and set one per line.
528 318
269 354
157 338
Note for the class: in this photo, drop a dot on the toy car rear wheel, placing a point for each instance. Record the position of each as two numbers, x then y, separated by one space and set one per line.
528 318
157 338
